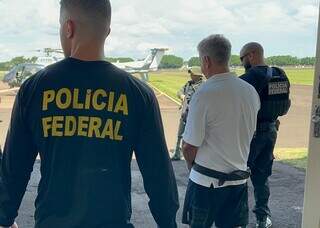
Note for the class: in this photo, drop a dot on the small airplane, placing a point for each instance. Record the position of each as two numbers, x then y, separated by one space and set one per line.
143 67
21 72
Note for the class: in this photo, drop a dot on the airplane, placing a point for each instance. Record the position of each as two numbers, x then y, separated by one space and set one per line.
21 72
150 63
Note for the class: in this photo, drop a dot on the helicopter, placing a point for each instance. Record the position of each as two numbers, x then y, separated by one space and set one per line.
21 72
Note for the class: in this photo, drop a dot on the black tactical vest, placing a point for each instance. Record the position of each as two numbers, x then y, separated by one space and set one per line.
275 100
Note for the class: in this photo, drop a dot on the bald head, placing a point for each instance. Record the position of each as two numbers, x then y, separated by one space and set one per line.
252 54
252 47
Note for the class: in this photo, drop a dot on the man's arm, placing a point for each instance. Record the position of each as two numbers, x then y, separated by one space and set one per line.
17 163
156 168
189 153
195 128
180 93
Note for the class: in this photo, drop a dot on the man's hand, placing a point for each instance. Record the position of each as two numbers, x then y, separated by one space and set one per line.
189 166
15 225
189 153
182 97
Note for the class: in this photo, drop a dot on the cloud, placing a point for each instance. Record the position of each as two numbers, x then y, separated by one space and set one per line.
283 26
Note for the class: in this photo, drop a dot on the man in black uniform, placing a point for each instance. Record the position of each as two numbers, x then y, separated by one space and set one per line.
272 86
85 117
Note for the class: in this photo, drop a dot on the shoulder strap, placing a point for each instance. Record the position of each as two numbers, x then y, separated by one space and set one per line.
269 72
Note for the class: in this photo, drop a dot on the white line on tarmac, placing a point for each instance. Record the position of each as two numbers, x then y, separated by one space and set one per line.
9 90
178 103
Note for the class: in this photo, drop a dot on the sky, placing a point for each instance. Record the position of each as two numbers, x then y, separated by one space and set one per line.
283 27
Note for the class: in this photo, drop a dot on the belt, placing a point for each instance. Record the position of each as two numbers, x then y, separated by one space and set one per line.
222 177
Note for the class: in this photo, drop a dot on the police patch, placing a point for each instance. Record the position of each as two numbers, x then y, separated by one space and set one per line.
276 88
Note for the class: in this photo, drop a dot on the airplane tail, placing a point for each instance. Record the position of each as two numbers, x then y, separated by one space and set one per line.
153 60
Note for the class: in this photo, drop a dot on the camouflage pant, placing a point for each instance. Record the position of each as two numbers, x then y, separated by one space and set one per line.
181 128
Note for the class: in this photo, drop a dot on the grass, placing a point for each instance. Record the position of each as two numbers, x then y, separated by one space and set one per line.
300 76
170 82
296 157
2 73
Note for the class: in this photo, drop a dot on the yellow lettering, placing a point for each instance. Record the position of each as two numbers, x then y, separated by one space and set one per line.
57 124
46 125
98 93
48 97
88 99
67 102
94 127
76 104
108 130
111 101
117 137
70 126
122 105
83 125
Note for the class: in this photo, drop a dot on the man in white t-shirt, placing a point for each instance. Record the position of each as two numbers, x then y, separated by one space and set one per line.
220 126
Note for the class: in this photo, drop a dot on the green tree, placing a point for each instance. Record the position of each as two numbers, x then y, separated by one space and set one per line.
282 60
310 61
18 60
235 60
32 59
171 62
6 66
194 61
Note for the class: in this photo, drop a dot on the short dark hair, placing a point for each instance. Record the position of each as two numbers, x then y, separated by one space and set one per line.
98 10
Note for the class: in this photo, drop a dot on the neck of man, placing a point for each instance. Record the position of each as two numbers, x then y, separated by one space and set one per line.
259 62
88 51
216 71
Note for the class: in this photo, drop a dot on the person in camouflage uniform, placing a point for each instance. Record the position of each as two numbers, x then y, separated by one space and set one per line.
185 94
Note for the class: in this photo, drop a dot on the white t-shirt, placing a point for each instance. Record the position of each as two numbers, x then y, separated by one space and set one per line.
221 123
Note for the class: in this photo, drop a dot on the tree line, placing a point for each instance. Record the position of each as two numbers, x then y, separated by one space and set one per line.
174 62
5 66
280 60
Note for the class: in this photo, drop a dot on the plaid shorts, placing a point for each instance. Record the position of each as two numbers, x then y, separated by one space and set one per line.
227 207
